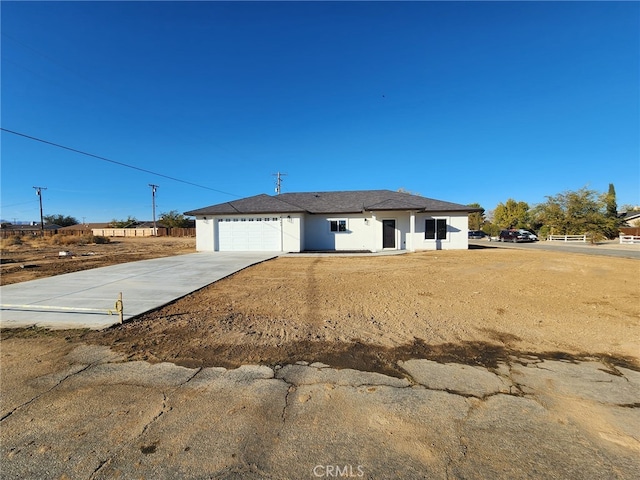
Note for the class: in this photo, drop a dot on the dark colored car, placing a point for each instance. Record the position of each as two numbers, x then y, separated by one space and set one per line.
476 234
514 236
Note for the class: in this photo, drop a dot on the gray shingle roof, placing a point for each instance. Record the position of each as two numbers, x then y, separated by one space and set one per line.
332 202
258 204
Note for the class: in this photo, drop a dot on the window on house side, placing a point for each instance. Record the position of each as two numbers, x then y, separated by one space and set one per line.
338 225
435 229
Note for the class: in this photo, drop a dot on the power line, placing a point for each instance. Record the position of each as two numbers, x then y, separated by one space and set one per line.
17 204
122 164
102 87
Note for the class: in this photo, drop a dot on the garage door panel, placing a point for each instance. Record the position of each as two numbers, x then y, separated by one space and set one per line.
249 235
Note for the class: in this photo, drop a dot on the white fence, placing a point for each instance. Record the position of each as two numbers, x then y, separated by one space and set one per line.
123 232
629 238
568 238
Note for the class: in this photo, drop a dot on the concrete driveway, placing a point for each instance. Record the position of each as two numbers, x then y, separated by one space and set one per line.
87 299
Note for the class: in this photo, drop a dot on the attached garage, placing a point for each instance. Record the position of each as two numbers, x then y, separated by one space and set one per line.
249 234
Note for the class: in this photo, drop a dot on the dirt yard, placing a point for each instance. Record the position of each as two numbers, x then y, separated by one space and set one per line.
37 258
477 307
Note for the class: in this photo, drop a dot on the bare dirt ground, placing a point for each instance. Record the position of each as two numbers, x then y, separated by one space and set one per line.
477 307
38 258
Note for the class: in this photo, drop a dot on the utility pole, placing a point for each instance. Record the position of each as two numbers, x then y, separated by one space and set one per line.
278 181
39 193
153 205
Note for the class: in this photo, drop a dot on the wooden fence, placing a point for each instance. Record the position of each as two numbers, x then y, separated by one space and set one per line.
6 233
104 232
630 231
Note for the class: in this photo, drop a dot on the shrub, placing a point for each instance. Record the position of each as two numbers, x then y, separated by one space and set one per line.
544 232
13 240
77 240
99 239
64 240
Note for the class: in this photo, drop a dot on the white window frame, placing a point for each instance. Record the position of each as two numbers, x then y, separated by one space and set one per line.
446 238
338 222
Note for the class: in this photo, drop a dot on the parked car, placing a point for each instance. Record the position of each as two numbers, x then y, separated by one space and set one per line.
532 236
476 234
514 236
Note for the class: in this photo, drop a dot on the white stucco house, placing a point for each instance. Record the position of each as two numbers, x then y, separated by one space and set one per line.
364 220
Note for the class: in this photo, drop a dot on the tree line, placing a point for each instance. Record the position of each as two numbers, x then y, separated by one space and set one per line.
578 212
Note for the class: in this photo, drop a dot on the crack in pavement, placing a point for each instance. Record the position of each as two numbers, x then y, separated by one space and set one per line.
28 402
283 415
146 427
107 461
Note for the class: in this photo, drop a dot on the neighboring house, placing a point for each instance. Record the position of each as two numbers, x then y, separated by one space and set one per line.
32 228
83 227
631 218
366 220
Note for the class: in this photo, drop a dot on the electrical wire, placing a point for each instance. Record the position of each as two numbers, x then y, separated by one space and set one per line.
93 84
122 164
16 204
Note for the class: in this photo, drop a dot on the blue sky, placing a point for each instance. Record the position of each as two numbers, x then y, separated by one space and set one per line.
458 101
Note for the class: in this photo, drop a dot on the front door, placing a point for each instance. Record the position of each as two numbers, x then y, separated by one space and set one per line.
388 234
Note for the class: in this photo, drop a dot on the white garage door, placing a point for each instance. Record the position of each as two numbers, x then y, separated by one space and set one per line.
255 234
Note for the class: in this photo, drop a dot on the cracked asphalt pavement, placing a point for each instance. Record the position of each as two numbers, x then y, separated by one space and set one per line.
73 411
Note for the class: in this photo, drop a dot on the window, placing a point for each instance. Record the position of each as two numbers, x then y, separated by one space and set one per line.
338 225
435 229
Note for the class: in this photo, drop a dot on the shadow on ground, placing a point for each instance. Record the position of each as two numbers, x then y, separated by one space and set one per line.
355 355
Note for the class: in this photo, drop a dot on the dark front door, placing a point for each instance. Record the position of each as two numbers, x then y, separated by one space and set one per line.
388 234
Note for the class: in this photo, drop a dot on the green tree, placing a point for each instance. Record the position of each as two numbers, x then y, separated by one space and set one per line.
129 222
63 221
173 219
612 205
511 214
476 219
613 220
576 213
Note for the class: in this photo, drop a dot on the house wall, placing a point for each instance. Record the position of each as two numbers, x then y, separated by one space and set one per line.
364 232
318 234
292 233
457 232
402 228
205 234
